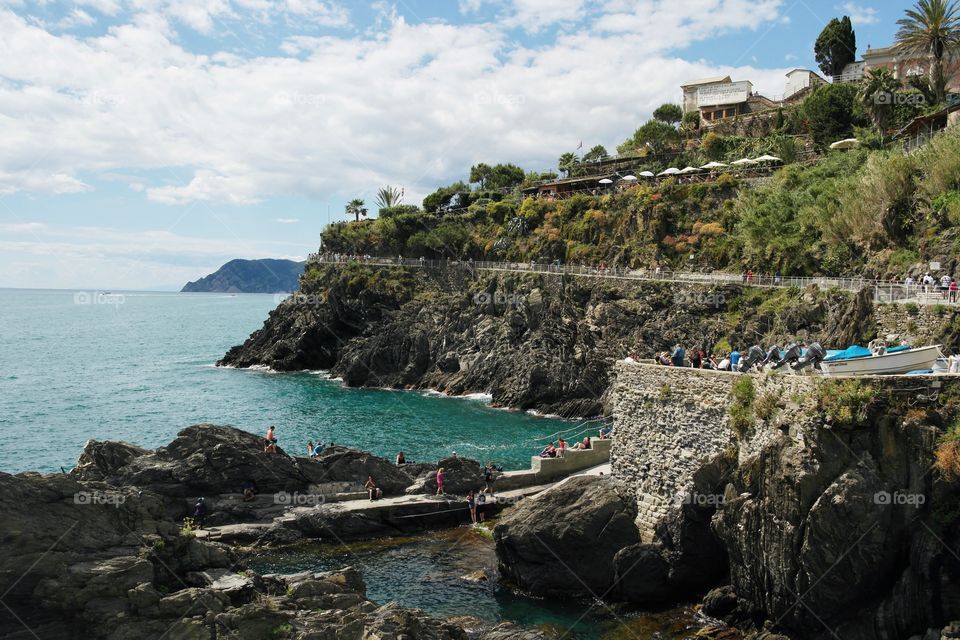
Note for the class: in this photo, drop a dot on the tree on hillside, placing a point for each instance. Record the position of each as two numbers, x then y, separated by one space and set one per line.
596 153
930 29
388 197
656 134
876 96
836 46
566 163
669 113
831 112
355 208
504 176
450 197
480 173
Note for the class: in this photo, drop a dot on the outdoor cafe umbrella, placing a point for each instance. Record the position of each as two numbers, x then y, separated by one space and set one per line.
646 174
689 170
767 158
630 178
846 143
606 181
669 172
713 165
743 161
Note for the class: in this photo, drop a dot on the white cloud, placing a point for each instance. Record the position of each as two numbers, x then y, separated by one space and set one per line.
790 57
860 14
76 18
288 220
338 116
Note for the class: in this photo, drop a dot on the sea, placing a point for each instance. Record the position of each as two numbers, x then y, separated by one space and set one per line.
139 367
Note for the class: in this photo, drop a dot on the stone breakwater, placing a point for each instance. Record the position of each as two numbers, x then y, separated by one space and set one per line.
804 506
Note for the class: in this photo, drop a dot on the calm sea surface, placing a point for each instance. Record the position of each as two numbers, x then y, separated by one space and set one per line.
138 367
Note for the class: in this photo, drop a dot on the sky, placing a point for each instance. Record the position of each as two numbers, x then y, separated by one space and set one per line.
143 143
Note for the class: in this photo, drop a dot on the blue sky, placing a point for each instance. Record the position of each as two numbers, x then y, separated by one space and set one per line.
146 142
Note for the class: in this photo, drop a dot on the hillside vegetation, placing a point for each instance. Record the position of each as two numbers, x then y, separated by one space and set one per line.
862 212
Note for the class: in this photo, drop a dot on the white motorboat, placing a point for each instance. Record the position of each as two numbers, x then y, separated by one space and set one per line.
889 361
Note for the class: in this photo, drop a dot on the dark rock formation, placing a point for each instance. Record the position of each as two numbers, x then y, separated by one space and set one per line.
460 475
566 540
250 276
533 342
92 556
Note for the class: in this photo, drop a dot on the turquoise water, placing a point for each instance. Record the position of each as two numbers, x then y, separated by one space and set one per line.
138 367
427 572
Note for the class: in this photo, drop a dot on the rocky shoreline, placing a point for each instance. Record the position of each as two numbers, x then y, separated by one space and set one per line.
539 342
101 552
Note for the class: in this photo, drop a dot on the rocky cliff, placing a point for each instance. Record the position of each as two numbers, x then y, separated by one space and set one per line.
267 275
811 505
532 341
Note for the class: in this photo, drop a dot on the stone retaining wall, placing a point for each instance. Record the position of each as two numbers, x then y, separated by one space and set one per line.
669 421
545 470
915 324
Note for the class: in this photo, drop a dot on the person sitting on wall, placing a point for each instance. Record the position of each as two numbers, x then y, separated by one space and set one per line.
724 365
372 489
549 451
561 447
605 431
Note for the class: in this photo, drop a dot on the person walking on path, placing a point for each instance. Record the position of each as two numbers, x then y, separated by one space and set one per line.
953 290
472 505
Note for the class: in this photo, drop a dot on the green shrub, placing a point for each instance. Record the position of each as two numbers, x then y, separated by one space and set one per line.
741 414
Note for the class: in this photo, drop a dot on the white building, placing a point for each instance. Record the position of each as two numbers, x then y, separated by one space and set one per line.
691 89
800 79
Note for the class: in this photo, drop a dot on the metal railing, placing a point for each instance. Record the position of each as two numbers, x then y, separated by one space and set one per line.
884 291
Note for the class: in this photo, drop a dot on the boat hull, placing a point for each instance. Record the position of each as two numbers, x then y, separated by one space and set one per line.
887 364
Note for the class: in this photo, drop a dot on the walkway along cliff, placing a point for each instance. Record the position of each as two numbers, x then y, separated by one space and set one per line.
537 341
812 506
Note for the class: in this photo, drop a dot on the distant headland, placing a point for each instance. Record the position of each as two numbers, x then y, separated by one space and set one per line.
266 275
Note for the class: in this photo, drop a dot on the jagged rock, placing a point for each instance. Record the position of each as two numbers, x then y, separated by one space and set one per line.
720 602
510 631
564 540
352 465
100 460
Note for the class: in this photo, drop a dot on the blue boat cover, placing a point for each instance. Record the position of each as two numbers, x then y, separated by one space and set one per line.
851 352
856 351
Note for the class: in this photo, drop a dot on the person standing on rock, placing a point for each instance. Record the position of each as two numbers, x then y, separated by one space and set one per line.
439 481
489 476
472 506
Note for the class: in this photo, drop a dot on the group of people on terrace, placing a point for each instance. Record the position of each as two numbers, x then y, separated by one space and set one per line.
698 359
558 448
945 285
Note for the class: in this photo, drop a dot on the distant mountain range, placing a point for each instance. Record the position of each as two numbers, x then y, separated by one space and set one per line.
251 276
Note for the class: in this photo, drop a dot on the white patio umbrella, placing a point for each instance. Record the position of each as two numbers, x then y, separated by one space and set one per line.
689 170
669 172
606 181
630 178
646 174
743 161
713 165
846 143
768 158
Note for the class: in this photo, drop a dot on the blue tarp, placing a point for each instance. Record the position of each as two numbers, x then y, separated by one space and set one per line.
851 352
856 351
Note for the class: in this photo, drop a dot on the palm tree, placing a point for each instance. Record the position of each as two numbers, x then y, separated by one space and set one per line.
388 197
931 28
355 208
566 162
877 94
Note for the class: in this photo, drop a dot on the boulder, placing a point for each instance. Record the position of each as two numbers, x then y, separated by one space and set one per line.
345 464
460 476
563 542
100 460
